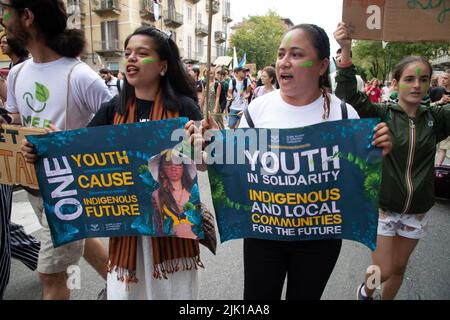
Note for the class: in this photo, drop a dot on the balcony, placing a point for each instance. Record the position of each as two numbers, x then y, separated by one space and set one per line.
106 6
108 48
219 36
201 29
146 11
226 15
215 7
173 18
75 7
188 56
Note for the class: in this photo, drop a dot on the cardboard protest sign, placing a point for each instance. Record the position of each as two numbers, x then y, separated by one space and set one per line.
398 20
119 180
14 170
312 183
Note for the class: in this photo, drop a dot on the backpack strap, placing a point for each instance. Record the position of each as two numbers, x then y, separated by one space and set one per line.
248 117
118 86
17 76
68 92
344 110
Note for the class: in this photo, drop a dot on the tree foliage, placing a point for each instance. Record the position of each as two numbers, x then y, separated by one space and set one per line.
379 62
259 37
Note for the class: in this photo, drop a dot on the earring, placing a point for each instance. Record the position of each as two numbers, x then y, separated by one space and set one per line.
162 74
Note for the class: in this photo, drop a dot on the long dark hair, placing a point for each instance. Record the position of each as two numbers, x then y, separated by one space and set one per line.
176 80
50 19
165 195
321 42
16 46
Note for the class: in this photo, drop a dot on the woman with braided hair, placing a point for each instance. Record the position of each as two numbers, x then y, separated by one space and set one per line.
302 70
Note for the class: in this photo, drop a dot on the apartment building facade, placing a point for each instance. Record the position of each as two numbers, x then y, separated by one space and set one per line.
107 23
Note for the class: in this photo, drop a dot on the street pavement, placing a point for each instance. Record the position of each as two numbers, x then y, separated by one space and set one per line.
427 276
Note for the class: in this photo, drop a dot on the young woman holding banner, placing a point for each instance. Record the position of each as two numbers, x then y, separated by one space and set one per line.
302 70
407 185
156 87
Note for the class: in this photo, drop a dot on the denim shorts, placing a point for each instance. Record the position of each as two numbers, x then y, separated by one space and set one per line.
411 226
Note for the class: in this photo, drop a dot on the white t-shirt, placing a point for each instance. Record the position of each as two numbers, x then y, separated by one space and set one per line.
359 82
40 93
385 93
270 111
112 86
238 95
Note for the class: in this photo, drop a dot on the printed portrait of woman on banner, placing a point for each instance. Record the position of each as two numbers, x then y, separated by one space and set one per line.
174 213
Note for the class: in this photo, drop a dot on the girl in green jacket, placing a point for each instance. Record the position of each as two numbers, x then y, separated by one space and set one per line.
407 183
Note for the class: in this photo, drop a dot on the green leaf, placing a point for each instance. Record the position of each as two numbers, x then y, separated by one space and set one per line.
42 93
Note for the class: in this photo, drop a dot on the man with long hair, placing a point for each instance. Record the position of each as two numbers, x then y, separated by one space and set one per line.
53 89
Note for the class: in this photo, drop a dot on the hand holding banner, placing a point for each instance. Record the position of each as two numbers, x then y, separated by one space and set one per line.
312 183
96 184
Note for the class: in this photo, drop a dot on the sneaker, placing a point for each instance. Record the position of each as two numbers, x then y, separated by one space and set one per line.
360 296
102 295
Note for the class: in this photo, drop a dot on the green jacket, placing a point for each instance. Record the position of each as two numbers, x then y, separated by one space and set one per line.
407 180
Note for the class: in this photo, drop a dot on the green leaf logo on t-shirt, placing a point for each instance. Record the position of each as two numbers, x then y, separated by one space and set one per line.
41 93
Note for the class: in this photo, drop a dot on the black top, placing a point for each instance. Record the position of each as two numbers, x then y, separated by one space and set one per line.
199 85
21 59
105 116
437 93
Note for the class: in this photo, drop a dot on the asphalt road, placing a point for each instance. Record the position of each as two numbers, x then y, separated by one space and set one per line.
427 276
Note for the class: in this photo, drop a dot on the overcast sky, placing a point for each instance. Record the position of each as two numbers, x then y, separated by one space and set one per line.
324 13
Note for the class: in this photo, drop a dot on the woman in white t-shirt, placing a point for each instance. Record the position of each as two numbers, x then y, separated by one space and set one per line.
302 70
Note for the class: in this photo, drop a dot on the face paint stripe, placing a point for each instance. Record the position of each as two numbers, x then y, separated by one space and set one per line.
6 16
306 64
404 86
149 60
289 41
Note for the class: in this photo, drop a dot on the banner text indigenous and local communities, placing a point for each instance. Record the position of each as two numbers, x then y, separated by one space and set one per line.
317 182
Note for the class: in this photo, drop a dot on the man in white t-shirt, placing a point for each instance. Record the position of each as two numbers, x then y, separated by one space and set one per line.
359 80
53 88
238 91
114 85
386 91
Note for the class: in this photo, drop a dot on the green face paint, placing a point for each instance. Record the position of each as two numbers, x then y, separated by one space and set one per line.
289 41
404 86
149 60
418 72
306 64
6 16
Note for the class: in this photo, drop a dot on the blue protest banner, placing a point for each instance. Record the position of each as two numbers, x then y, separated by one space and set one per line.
118 181
312 183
